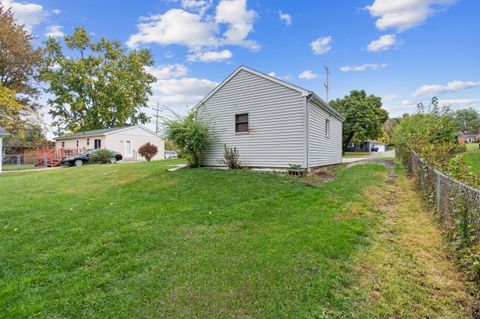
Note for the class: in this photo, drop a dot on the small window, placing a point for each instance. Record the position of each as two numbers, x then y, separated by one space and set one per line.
327 127
63 144
241 123
77 143
88 141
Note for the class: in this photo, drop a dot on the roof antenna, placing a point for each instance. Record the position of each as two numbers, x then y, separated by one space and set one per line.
326 84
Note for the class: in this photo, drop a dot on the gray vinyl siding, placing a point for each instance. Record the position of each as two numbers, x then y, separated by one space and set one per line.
323 150
276 116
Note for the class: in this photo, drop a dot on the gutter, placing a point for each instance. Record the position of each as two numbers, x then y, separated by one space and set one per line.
307 102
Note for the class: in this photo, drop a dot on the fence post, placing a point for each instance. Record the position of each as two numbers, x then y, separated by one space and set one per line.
18 162
45 159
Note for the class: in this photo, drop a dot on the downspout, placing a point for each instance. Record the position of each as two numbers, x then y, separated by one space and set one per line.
307 102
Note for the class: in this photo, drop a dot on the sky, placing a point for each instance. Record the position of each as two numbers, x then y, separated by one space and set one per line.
405 51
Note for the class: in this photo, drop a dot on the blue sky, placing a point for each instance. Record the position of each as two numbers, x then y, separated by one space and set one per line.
403 50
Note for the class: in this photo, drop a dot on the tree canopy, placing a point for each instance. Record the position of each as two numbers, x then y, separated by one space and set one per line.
98 85
468 120
364 116
19 59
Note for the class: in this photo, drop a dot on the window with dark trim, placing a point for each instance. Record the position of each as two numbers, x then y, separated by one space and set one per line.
241 123
327 127
63 144
77 143
88 141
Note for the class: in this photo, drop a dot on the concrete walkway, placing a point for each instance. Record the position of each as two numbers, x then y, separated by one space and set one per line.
372 155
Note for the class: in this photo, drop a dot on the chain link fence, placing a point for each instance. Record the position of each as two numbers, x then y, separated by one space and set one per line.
458 209
20 161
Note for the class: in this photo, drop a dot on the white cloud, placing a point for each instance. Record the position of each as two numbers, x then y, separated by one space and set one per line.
384 43
56 11
240 21
168 71
405 14
273 74
363 67
175 26
390 97
321 45
209 56
231 25
459 102
308 75
199 6
181 92
285 17
54 31
453 86
29 14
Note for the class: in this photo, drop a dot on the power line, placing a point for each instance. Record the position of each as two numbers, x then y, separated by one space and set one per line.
326 84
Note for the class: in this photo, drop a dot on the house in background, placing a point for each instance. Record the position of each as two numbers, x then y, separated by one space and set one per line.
124 140
3 133
272 123
468 138
369 145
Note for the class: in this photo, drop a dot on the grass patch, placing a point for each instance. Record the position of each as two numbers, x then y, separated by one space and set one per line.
356 154
14 167
123 241
136 241
405 272
471 147
472 159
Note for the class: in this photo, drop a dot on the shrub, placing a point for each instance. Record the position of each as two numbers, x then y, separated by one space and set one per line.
230 157
102 156
191 136
148 151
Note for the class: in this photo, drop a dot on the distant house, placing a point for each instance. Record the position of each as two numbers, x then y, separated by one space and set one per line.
3 133
124 140
468 138
272 123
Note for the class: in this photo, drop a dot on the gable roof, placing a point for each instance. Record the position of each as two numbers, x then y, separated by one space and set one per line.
301 90
104 131
3 132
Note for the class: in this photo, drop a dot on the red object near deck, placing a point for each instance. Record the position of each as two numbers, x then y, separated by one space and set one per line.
51 157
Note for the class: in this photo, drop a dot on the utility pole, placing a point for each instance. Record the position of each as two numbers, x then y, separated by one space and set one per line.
157 116
326 84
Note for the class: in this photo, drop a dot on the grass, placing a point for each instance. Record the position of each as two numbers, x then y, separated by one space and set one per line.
472 147
356 154
404 271
472 159
123 241
14 167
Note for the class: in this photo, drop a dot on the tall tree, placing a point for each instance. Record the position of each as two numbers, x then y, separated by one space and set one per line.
19 59
468 120
99 85
363 114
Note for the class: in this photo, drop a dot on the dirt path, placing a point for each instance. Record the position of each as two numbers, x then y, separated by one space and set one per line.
405 272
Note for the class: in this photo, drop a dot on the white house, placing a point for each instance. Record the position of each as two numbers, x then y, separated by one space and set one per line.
2 135
124 140
272 123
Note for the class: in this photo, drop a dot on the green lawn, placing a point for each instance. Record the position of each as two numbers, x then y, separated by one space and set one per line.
473 159
129 241
356 154
472 147
14 167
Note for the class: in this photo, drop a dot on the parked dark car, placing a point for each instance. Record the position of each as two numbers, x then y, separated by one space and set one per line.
86 158
374 148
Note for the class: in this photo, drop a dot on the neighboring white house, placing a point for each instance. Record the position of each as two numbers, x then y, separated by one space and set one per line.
123 140
2 135
272 123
